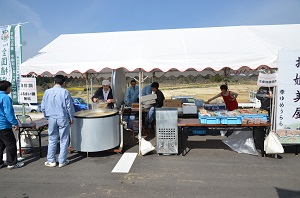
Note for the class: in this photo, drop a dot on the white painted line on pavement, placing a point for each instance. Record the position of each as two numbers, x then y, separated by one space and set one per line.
125 163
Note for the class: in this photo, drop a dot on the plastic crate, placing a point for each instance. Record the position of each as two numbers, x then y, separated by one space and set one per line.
208 119
198 131
231 120
260 116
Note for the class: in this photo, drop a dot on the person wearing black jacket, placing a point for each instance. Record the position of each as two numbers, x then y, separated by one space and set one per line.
104 93
159 94
158 103
264 94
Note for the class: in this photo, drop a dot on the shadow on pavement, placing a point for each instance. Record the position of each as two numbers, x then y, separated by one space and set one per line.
207 144
283 193
30 158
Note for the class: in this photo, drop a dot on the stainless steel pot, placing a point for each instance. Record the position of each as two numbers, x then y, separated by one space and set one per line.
95 130
101 129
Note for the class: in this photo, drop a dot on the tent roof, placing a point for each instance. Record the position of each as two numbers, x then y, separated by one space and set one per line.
163 50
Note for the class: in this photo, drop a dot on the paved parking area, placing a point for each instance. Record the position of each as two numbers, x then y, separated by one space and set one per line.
210 169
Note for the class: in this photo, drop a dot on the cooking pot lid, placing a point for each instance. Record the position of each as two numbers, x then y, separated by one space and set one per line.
118 84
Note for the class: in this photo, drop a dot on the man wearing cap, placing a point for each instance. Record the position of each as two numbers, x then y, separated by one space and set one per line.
105 93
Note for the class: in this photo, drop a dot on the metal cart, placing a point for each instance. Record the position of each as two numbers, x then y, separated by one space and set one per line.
166 131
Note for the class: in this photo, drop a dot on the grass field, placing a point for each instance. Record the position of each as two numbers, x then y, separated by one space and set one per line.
207 91
204 91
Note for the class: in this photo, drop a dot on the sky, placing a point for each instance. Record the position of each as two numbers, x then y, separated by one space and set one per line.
46 19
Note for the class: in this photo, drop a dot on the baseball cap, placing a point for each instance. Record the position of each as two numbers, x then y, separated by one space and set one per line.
105 82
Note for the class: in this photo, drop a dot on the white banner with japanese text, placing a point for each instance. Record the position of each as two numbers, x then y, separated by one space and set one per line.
267 80
11 57
28 91
288 97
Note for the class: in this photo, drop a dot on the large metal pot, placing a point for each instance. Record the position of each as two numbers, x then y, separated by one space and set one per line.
95 130
101 129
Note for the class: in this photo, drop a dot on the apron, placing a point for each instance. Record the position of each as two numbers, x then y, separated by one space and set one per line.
230 105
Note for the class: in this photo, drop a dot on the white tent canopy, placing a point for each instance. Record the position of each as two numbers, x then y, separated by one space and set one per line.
200 49
163 50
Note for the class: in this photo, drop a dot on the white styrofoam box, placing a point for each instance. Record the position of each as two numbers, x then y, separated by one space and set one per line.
149 97
189 109
149 102
178 109
188 104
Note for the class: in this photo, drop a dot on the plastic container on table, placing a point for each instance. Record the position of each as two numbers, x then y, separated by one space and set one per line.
260 116
208 119
215 107
231 119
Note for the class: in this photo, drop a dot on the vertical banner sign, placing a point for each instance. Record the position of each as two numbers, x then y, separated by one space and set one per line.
10 55
288 97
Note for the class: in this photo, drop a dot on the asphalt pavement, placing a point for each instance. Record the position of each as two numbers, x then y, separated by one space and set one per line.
210 169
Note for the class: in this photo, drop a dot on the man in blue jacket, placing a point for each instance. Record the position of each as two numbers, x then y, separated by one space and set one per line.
132 94
57 106
7 122
147 90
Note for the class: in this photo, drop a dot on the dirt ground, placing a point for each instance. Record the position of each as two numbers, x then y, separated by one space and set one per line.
198 91
210 91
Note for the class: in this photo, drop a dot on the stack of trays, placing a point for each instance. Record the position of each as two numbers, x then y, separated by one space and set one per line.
231 118
254 118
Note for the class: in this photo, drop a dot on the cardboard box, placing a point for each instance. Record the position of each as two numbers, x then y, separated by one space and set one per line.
135 105
172 103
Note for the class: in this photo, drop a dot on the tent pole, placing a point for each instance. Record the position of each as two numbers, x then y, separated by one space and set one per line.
91 89
274 109
140 109
87 85
153 75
